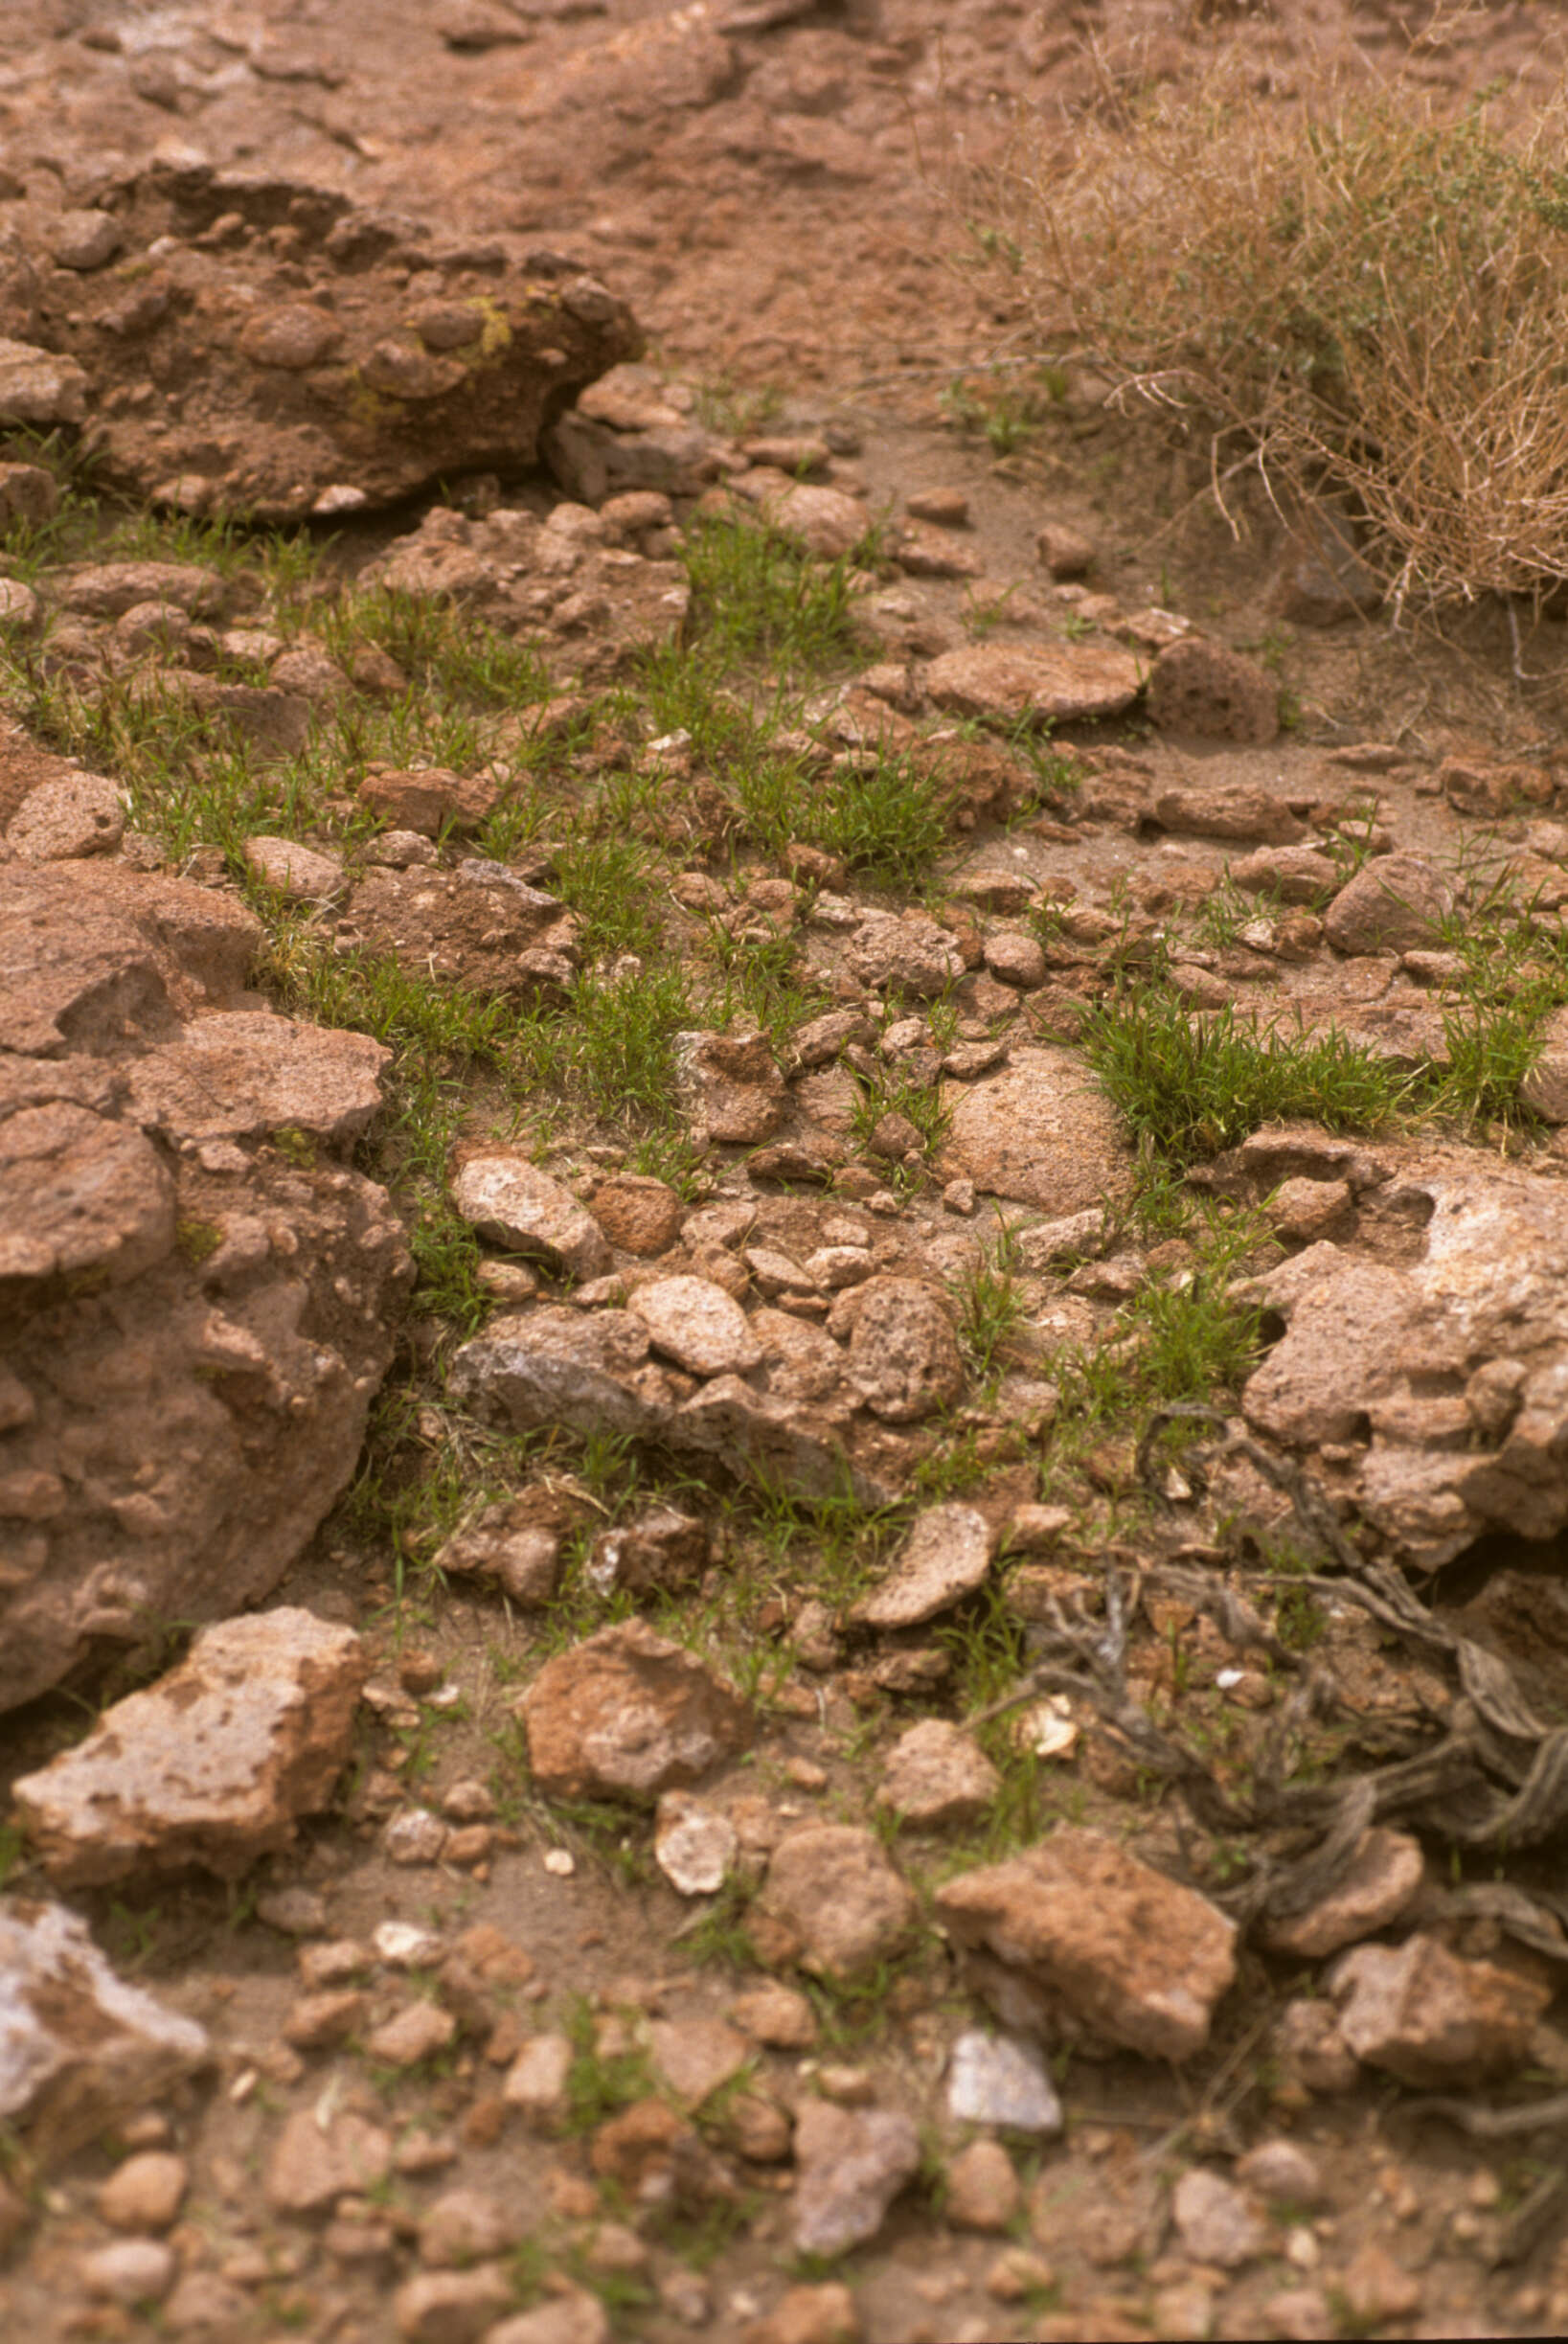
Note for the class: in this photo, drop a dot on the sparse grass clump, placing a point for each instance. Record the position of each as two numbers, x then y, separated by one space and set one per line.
1366 288
1191 1085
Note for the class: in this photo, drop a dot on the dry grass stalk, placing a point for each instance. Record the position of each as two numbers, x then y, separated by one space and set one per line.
1368 295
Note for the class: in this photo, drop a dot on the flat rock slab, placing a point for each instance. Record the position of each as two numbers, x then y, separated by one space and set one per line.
626 1716
1039 1134
312 386
833 1891
1048 683
697 1324
945 1558
244 1074
1136 1958
1001 2079
509 1200
1431 2018
850 2164
213 1765
80 2048
1486 1304
1381 1880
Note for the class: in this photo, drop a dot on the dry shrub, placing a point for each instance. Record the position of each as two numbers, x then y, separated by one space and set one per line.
1351 289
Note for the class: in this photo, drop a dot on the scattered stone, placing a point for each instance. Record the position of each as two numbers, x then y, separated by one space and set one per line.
824 2314
945 1558
211 1766
1001 2079
948 506
698 1324
507 1544
904 1358
1377 2289
416 2032
1236 810
537 2080
294 1911
1431 2018
697 2056
693 1846
1282 2171
937 1776
37 388
415 1837
575 2317
732 1088
452 2306
1201 688
1382 1878
1040 683
1015 958
626 1715
1311 2047
79 2049
638 1215
849 2164
144 2192
1216 2221
663 1548
1133 1956
247 1074
834 1890
1395 903
1064 551
64 820
1039 1134
982 2192
776 2015
1296 874
462 2226
510 1201
299 875
313 2164
132 2272
911 954
316 2022
824 521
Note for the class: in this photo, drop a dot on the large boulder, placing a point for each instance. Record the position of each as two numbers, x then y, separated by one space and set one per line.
198 1296
310 381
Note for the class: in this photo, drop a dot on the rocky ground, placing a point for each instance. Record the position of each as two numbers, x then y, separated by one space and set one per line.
781 1240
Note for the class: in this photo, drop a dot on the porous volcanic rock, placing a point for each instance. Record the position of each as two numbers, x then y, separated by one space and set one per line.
201 1300
626 1716
1443 1374
1135 1957
834 1890
1037 1133
1039 683
78 2047
310 381
211 1766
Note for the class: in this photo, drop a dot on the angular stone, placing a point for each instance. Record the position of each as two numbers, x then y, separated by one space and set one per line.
575 2317
1039 1134
313 2164
68 819
510 1201
824 2314
1238 809
731 1087
428 800
908 954
905 1359
776 2015
36 387
945 1558
824 521
536 2080
213 1765
79 2049
660 1549
451 2307
1055 683
1001 2079
245 1074
1133 1956
416 2032
697 1324
638 1215
1382 1879
1485 1298
1203 687
834 1891
298 874
506 1544
937 1775
697 2056
1395 903
1431 2018
693 1846
463 2226
80 1196
626 1716
1216 2221
850 2164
